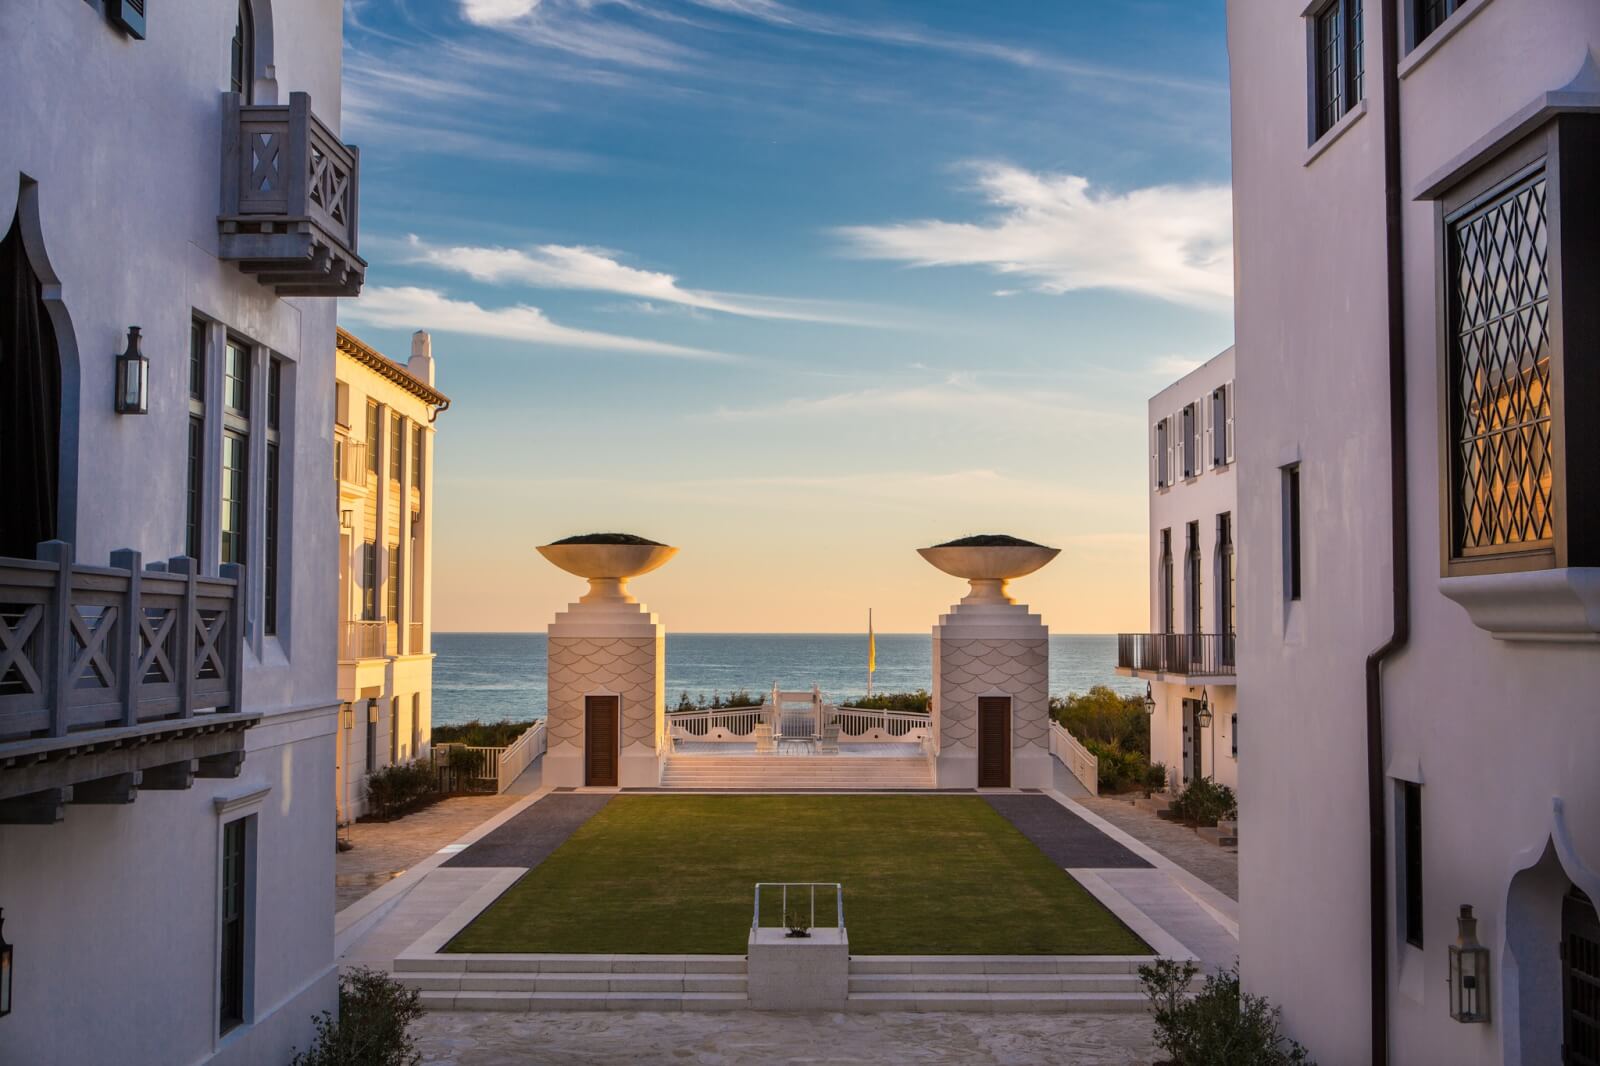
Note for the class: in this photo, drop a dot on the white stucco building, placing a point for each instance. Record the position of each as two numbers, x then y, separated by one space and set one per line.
384 425
1418 501
1188 656
167 679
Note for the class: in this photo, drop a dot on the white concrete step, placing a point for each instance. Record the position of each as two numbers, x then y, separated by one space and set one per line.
526 1001
571 983
745 772
918 983
571 964
968 965
998 1002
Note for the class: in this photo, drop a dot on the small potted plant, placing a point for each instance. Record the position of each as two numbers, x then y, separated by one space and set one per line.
794 920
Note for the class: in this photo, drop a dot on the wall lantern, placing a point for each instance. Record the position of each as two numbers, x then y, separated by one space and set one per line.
347 519
1149 699
5 969
347 716
1202 713
1469 971
133 378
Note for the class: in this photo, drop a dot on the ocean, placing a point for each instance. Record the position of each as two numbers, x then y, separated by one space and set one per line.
493 676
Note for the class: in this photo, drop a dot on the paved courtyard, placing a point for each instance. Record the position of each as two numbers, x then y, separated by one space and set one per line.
1216 866
385 850
759 1039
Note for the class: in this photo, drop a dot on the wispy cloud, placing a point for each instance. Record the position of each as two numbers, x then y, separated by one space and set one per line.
1170 242
953 396
586 269
411 307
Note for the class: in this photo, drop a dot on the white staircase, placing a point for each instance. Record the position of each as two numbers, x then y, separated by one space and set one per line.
1036 984
576 982
755 774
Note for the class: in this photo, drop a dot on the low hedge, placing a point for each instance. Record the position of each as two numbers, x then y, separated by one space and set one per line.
1204 802
479 734
396 789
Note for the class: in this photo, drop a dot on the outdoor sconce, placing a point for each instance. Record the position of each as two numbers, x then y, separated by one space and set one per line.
1469 971
1202 713
5 969
133 378
347 716
1149 699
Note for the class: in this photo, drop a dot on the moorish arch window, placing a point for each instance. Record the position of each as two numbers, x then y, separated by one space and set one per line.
1521 454
30 405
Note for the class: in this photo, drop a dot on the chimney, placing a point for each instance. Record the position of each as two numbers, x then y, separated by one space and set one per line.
421 362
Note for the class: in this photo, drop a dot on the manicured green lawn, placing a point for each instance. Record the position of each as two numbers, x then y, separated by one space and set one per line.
921 874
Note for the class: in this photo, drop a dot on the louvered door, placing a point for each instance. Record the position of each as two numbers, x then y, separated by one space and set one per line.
994 742
600 740
1580 970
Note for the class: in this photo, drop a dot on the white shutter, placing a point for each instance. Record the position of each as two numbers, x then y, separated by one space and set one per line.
1227 401
1155 456
1210 423
1174 452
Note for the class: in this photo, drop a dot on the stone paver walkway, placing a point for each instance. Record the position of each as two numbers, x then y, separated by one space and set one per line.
385 850
745 1037
529 838
1067 839
1217 867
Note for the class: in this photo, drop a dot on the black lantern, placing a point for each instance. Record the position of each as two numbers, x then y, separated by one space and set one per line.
133 378
1202 713
5 969
347 716
1149 699
1469 971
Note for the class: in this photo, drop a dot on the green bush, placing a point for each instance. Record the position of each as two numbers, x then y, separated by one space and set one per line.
1155 778
393 790
481 734
1120 771
1203 802
918 701
718 702
1220 1025
1101 714
372 1029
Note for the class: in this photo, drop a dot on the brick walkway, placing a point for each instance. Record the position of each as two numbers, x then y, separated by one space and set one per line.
384 850
759 1039
1216 866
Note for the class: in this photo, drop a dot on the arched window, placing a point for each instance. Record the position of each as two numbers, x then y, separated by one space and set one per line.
242 76
30 404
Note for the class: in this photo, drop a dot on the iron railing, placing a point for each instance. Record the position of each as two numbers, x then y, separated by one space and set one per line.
98 647
1182 654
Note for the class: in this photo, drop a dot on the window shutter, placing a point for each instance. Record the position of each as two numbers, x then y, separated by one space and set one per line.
1155 456
1227 402
1174 449
1210 422
341 404
128 14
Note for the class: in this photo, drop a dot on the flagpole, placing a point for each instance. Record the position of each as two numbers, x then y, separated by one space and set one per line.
870 651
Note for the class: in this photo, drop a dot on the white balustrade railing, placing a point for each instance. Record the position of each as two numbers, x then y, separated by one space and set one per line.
797 904
1076 758
857 724
515 758
728 723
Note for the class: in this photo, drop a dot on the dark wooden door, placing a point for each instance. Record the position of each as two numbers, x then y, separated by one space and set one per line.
1580 972
994 742
600 740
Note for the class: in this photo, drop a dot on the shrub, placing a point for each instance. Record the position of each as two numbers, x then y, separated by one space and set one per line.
396 789
1155 778
1119 770
375 1014
1101 714
1218 1026
481 734
918 701
1203 802
733 701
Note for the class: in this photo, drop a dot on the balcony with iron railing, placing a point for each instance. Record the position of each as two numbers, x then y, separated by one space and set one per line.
115 679
1194 657
290 199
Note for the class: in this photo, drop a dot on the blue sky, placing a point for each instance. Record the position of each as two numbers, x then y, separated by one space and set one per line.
797 287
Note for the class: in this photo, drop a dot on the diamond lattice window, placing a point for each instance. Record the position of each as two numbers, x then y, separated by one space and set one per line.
1500 373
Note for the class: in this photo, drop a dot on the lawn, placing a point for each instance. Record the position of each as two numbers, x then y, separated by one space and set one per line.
935 875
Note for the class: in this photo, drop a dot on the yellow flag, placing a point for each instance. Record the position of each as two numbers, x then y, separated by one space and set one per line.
872 647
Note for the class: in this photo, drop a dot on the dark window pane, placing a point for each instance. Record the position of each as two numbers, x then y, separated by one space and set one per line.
1411 813
393 596
1431 14
1166 581
197 444
416 456
397 446
274 392
369 581
1329 53
233 924
1500 373
197 359
270 569
235 475
236 378
243 60
374 435
1357 60
1292 488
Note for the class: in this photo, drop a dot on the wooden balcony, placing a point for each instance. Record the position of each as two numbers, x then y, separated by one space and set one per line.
1198 658
114 679
290 199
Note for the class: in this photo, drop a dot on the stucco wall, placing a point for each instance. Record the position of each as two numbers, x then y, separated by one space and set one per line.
632 668
1495 732
114 145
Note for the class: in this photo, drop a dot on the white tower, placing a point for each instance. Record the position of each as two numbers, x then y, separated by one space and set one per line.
991 669
606 668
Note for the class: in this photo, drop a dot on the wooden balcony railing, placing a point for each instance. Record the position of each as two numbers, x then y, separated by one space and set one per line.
100 647
363 640
1182 654
290 199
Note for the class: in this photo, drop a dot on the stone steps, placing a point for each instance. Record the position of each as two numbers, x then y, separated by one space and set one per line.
825 772
999 1002
918 983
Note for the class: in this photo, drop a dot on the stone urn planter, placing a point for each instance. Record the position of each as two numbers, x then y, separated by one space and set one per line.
608 560
989 562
